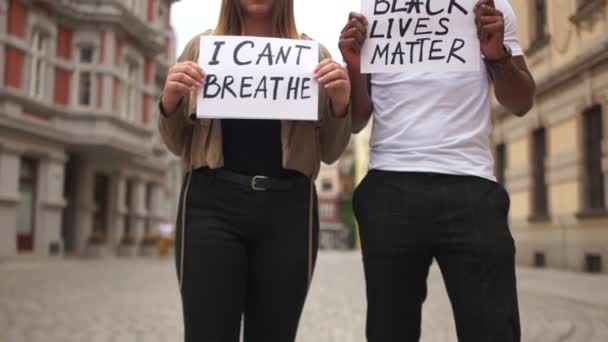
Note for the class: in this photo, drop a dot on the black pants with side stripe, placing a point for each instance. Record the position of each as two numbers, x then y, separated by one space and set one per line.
246 259
407 220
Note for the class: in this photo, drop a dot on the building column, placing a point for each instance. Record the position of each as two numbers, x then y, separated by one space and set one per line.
48 238
138 210
118 210
85 207
10 161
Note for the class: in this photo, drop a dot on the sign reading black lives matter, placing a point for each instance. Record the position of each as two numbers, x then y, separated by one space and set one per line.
420 35
258 78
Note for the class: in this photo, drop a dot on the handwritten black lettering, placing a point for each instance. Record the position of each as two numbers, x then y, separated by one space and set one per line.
292 87
373 33
458 44
454 3
422 24
245 84
276 81
238 48
218 45
300 48
228 81
398 52
262 88
266 53
430 12
443 22
380 53
210 82
283 54
432 56
305 86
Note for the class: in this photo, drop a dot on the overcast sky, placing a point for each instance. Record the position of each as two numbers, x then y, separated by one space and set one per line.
320 19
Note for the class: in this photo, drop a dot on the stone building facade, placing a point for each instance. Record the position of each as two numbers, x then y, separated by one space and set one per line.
554 161
334 189
81 162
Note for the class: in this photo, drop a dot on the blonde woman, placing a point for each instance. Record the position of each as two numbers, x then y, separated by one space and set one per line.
248 223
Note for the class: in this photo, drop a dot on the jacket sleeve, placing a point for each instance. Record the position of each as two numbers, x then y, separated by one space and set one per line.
175 127
335 132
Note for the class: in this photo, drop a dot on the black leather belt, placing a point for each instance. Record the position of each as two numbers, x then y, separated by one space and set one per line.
259 183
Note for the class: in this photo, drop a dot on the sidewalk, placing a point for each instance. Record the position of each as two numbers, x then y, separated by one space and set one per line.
591 289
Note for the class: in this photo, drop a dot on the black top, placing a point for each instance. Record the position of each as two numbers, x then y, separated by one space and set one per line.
253 147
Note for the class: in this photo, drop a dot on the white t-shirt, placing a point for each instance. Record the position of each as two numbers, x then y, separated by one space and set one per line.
436 122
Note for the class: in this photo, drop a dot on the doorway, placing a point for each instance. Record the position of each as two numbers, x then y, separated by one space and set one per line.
26 211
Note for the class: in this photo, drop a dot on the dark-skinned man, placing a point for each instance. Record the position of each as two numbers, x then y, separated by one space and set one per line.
430 193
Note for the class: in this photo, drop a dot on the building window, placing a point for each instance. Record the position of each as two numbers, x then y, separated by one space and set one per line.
326 185
540 260
85 76
540 20
27 205
500 164
130 94
40 44
327 211
593 263
540 208
594 187
539 35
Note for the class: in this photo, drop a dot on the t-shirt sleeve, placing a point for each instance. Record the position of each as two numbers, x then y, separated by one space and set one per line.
511 37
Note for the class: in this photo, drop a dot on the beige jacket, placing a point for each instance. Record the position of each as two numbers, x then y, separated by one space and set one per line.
305 144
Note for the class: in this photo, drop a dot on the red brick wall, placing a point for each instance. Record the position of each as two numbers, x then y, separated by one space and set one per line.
148 71
99 90
64 43
13 68
102 46
115 85
16 18
62 86
151 10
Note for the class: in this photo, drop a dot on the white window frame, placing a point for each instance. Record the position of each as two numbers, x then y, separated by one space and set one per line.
130 83
39 63
81 68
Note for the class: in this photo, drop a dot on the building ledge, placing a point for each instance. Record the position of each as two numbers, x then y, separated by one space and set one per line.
9 199
585 60
538 45
592 214
587 10
539 218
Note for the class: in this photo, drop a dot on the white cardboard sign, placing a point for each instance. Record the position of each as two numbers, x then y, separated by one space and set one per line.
420 36
258 78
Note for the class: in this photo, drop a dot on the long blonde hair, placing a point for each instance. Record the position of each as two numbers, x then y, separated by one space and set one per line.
230 22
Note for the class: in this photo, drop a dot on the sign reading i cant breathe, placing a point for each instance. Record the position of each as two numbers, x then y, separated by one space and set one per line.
420 35
258 78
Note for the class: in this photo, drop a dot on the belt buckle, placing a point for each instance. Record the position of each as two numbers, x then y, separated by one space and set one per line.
254 185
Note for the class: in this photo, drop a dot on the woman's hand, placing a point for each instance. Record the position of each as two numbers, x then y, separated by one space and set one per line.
334 79
182 78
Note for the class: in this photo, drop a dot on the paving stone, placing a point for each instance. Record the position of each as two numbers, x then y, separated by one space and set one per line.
134 300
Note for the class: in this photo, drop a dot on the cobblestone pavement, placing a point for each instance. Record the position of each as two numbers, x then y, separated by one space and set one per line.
137 300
